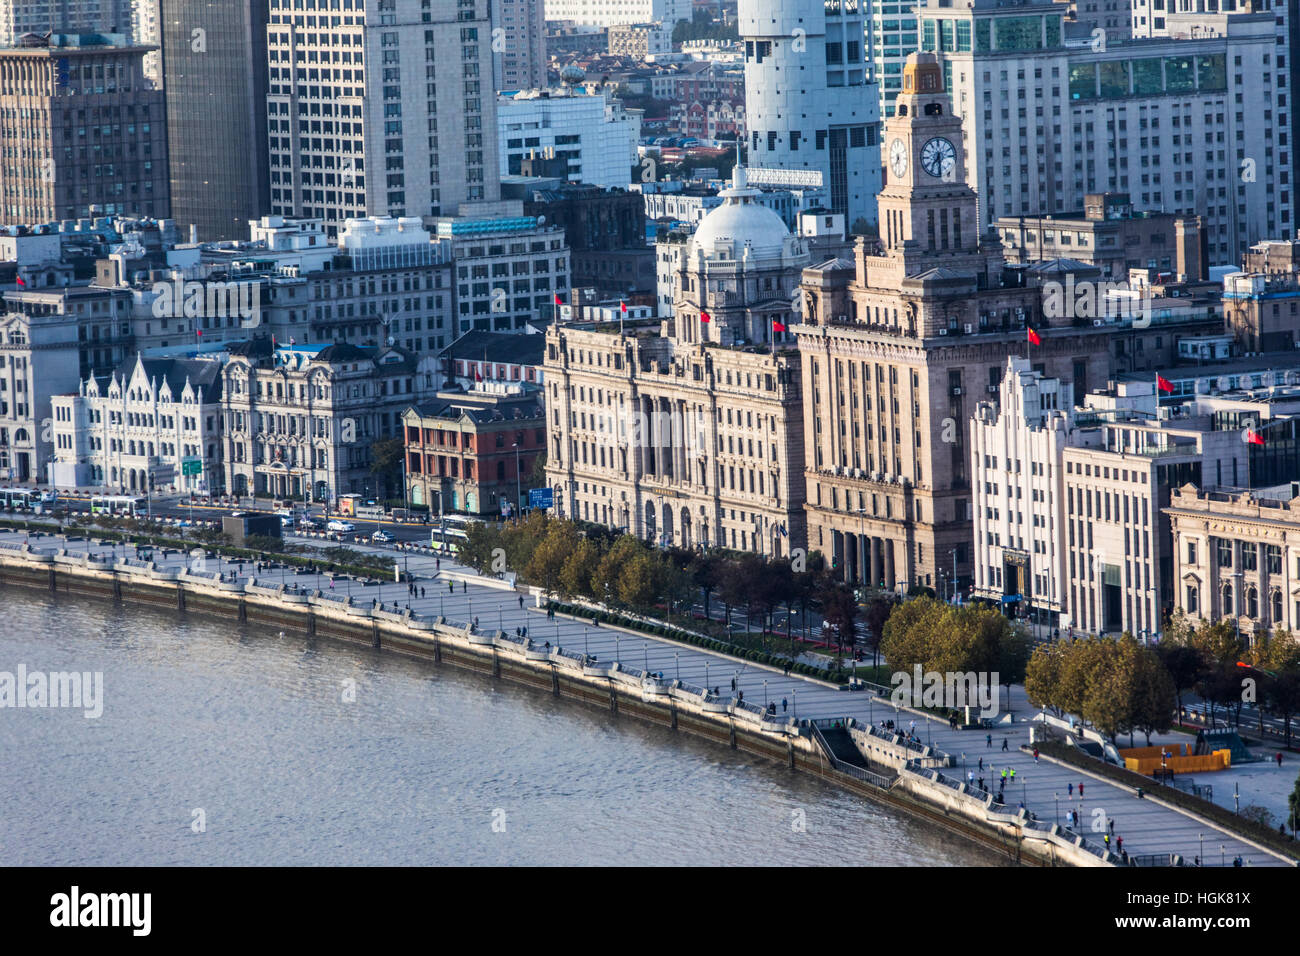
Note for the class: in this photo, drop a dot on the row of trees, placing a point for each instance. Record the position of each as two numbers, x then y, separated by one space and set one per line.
945 638
1120 686
573 560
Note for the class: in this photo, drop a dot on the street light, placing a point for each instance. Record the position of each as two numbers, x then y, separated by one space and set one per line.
677 660
1057 798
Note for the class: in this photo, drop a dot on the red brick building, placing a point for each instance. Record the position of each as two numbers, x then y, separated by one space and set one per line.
475 450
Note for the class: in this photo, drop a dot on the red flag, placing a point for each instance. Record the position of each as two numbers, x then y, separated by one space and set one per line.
622 306
1033 338
778 326
557 299
704 316
199 332
478 377
1253 437
20 280
1163 384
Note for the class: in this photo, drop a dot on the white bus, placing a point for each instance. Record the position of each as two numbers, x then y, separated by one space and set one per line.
120 505
453 538
18 497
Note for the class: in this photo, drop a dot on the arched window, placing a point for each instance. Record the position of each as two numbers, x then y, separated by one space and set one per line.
1275 599
1252 601
1228 606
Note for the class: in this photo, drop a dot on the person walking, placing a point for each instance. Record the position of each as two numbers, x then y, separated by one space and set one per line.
1071 791
981 763
521 602
1279 760
1004 744
1111 823
1080 789
437 564
1035 755
1119 843
988 741
785 705
464 587
1013 775
421 592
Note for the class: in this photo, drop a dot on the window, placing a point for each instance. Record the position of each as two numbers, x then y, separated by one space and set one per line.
1274 559
1193 602
1249 557
1224 549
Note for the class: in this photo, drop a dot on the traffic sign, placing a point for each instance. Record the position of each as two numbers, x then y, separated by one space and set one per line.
191 466
541 497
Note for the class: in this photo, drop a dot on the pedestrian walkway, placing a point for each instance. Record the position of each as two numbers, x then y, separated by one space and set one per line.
1147 828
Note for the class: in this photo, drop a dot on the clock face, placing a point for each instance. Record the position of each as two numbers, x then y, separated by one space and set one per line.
898 157
938 157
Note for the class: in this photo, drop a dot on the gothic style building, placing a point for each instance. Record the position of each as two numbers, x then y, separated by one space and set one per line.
897 347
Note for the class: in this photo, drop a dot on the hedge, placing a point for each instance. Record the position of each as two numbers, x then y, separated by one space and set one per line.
1211 811
708 643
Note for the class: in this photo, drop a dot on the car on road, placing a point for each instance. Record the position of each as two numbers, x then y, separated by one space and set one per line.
342 526
382 535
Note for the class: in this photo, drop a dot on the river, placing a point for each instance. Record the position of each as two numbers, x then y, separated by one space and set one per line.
226 744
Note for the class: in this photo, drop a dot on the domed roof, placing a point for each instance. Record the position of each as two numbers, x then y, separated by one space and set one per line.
741 220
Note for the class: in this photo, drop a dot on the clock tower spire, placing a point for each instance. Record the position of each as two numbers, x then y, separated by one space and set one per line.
926 206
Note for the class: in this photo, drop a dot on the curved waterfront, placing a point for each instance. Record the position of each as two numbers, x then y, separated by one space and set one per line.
427 765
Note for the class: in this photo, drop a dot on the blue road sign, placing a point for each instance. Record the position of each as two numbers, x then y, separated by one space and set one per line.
541 497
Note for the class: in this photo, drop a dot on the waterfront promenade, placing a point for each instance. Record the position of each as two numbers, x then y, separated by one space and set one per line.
1146 826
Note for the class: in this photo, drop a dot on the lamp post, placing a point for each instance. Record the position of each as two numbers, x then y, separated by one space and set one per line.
1201 858
519 490
677 662
617 638
794 698
1057 798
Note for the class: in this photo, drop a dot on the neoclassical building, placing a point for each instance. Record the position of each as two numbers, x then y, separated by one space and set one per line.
300 421
689 430
1236 555
899 344
150 412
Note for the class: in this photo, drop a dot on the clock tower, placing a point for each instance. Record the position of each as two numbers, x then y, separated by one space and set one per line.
926 206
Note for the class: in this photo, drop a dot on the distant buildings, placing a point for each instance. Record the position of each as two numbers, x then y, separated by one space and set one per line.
1110 235
641 40
604 13
40 17
510 268
519 44
606 232
1260 303
89 131
1190 126
588 129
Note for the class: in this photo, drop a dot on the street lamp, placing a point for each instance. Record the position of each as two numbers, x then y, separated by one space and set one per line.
677 661
519 491
1057 798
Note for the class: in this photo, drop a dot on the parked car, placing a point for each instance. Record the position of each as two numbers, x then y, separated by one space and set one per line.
382 535
342 526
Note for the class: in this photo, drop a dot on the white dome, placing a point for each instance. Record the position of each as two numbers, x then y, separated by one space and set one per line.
742 221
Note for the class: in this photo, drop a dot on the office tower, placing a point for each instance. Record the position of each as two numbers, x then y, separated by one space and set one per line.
891 36
214 60
380 107
87 131
1194 125
518 44
62 16
897 344
812 110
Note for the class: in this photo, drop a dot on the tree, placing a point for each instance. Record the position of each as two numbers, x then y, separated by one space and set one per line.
546 564
704 569
1184 665
879 609
387 455
1293 806
578 569
605 579
638 581
1154 698
1044 674
840 609
1282 694
481 547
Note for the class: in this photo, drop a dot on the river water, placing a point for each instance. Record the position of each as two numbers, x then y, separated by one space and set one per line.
229 744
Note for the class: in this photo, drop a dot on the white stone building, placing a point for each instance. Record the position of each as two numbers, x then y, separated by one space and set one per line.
113 433
587 128
604 13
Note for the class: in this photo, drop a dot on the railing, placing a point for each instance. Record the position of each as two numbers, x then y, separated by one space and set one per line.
866 776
